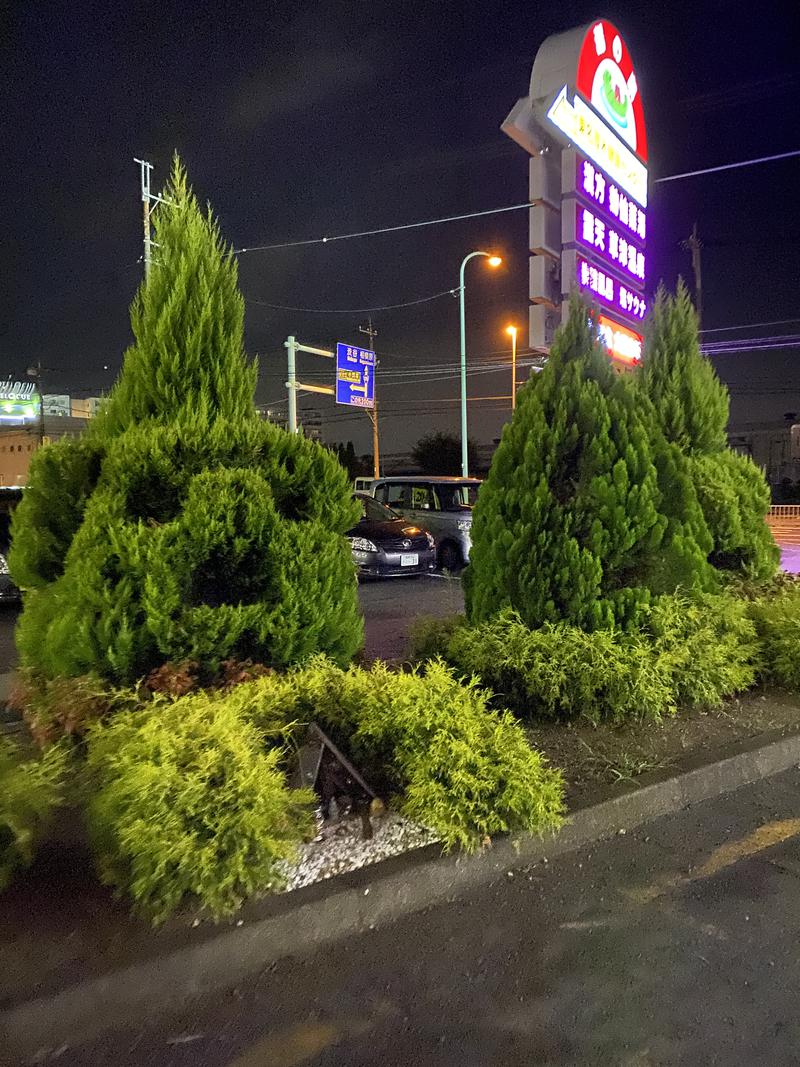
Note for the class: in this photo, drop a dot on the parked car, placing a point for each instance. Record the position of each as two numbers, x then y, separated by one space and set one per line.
442 505
385 545
9 498
8 591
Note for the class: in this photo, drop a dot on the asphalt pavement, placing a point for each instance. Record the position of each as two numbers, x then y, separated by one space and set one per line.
672 944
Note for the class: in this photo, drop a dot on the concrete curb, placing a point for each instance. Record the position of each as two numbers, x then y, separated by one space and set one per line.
87 1009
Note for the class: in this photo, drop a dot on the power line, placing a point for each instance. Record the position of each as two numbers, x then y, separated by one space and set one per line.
353 311
751 326
489 211
383 229
728 166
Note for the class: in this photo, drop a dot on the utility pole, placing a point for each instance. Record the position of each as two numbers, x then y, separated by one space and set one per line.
694 244
35 372
372 333
144 172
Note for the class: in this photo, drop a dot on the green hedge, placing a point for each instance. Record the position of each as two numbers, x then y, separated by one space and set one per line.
777 621
30 790
459 768
690 650
186 802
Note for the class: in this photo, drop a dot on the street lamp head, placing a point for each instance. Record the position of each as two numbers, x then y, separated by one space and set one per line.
495 261
511 331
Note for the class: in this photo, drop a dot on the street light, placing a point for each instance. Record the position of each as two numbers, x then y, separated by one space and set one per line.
512 330
494 261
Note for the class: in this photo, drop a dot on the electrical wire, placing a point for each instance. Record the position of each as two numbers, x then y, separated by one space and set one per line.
383 229
354 311
751 326
728 166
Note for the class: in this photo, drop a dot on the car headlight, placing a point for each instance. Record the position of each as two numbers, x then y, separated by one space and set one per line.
361 544
464 524
3 564
431 541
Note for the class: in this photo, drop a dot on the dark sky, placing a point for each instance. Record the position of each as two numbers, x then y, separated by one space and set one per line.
299 121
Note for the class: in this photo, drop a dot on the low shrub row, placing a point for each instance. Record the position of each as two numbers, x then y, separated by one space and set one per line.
30 790
689 650
187 799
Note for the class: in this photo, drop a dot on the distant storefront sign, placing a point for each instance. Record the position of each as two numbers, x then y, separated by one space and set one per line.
19 402
583 124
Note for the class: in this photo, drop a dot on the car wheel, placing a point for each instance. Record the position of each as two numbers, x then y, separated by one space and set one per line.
449 557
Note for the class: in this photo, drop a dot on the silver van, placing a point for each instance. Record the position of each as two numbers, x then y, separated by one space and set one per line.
441 505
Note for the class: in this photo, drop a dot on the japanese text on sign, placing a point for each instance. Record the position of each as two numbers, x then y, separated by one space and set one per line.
597 187
609 290
622 343
608 243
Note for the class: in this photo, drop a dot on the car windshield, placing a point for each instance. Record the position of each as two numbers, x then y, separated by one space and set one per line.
458 495
374 511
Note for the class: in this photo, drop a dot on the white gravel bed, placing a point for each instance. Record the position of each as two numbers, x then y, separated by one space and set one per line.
340 846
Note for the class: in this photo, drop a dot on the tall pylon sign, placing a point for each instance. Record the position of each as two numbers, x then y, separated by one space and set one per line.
583 126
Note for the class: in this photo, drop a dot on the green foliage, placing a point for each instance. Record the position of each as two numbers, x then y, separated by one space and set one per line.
186 803
461 769
690 405
64 707
61 478
735 499
586 511
690 650
777 621
707 644
195 530
187 363
440 453
690 402
429 637
561 671
30 790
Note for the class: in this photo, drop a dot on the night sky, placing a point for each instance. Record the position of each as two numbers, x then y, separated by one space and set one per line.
299 121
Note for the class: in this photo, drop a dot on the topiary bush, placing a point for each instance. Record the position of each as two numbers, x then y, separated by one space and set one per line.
30 791
185 803
587 511
690 406
193 530
458 767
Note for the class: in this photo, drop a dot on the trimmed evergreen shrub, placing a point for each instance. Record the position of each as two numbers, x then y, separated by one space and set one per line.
194 530
735 499
458 767
690 405
777 621
30 790
185 803
586 511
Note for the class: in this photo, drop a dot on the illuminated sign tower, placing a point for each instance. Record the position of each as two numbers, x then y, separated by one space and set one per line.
583 125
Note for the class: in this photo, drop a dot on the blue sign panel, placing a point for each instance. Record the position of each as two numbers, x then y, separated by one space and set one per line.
355 376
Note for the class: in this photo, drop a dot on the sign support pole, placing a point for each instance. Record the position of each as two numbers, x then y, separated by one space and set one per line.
372 333
291 384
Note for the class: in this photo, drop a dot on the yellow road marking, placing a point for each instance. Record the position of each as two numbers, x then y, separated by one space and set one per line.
727 855
290 1048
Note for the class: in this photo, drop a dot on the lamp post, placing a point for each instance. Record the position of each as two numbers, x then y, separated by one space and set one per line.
494 261
513 331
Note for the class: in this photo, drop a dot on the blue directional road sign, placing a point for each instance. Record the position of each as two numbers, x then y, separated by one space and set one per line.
355 376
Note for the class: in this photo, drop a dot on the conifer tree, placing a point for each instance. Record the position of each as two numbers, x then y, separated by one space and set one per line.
690 404
586 510
196 530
